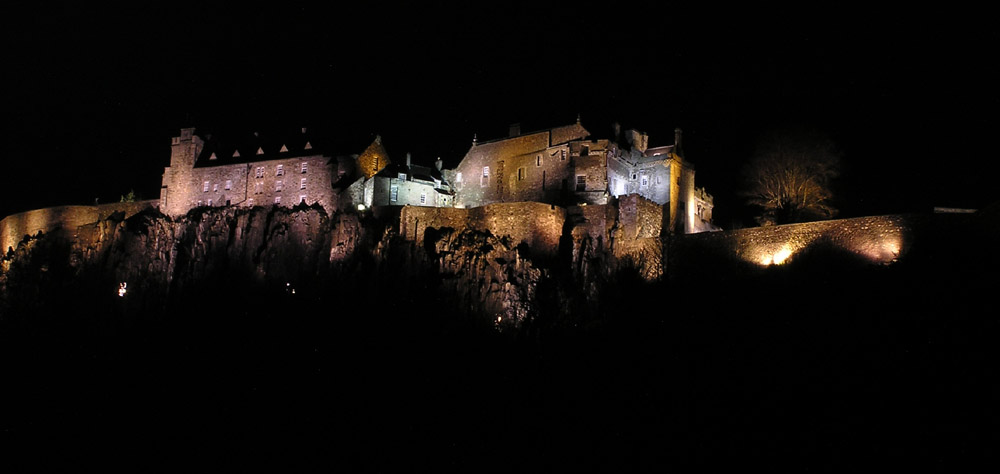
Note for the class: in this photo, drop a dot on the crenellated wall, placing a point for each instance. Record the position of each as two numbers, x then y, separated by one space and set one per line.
14 227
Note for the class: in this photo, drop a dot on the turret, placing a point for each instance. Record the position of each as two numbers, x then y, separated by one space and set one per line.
184 149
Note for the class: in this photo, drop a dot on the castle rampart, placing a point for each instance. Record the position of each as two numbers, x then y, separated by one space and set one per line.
14 227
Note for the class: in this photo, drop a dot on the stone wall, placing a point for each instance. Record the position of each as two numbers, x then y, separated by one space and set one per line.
14 227
190 188
878 239
538 225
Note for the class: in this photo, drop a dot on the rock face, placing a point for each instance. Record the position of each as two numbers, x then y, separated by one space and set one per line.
499 280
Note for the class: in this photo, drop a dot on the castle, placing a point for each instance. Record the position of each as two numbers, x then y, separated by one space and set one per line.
560 166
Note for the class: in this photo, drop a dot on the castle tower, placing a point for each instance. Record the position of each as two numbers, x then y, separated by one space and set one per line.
177 178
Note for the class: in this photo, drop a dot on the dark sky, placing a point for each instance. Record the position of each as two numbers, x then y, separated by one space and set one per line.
94 95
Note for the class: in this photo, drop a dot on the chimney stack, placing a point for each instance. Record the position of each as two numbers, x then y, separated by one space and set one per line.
515 129
677 142
407 160
439 164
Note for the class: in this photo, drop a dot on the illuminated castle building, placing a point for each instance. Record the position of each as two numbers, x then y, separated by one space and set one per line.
559 166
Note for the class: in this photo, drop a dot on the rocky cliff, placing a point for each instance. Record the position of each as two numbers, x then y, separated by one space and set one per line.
348 260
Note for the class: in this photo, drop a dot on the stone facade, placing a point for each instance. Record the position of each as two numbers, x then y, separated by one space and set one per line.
248 172
561 166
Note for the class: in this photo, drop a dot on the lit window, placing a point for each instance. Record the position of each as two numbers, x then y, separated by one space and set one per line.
205 188
250 202
303 167
278 185
229 184
458 177
393 192
581 183
215 188
302 198
302 183
277 199
280 171
423 198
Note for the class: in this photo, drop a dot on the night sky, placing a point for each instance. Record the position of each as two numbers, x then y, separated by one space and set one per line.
93 96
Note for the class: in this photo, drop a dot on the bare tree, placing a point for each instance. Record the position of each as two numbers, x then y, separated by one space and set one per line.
789 178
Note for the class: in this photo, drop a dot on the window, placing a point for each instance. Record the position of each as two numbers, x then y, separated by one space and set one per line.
458 177
562 155
302 183
520 174
215 188
423 198
393 192
278 185
250 202
302 198
538 160
486 171
585 151
277 199
645 181
581 183
201 203
260 172
205 188
229 184
280 171
258 187
303 166
401 176
209 203
484 180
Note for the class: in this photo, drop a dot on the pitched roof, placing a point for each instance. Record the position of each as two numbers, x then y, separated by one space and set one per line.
232 148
